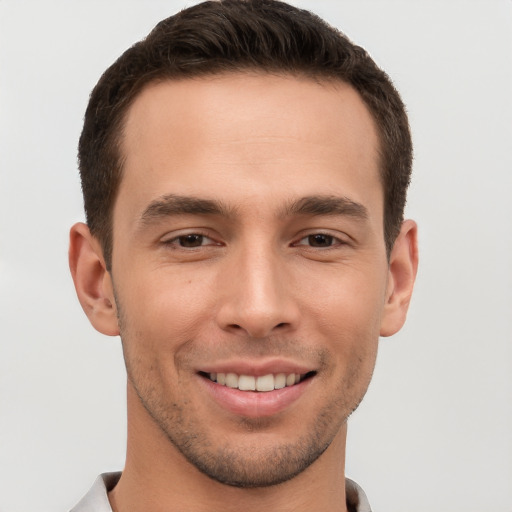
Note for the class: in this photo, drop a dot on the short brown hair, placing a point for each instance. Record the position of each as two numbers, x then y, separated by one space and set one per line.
225 36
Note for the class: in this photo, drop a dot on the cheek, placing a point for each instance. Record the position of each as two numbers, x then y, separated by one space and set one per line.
352 337
161 312
349 300
347 315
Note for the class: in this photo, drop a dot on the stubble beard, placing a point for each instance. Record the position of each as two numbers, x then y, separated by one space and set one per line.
243 467
251 465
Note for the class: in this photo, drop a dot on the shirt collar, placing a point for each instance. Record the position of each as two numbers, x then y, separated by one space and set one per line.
97 498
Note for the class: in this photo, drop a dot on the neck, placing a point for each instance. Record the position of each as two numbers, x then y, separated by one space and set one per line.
158 478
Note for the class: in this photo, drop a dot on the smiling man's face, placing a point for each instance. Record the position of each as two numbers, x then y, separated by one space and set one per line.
249 268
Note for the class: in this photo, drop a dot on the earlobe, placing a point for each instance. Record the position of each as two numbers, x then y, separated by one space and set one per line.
93 282
403 266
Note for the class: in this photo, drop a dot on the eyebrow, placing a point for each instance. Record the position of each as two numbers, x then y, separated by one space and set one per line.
327 205
171 204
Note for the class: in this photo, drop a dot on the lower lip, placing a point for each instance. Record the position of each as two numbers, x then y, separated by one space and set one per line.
255 404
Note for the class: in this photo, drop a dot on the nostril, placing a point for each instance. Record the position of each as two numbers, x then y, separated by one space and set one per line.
257 328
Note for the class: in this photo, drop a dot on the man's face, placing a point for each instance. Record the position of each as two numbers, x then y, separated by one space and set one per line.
249 247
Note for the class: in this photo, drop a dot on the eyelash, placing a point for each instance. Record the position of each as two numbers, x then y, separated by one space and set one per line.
177 241
335 241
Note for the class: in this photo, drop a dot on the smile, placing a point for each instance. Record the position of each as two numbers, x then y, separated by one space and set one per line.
257 393
262 383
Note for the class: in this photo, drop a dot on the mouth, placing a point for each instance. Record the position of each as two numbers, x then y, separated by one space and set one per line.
261 383
257 389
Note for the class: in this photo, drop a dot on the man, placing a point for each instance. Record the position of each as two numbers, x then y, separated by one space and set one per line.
244 171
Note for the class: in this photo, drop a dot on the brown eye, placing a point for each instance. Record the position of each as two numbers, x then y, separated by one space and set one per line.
192 240
320 240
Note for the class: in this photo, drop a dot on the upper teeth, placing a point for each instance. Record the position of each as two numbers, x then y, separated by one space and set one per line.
250 383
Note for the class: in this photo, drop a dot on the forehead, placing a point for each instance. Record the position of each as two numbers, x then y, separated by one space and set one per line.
249 133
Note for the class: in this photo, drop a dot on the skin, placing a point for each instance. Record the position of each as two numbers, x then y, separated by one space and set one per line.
259 280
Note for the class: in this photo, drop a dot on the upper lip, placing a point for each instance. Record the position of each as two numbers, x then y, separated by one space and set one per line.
256 368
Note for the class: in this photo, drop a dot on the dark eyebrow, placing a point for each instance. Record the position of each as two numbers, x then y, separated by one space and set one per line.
327 205
182 205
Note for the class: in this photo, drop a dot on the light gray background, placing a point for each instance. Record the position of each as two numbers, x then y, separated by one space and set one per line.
434 432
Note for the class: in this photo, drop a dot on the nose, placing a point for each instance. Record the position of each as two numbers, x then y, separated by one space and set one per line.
257 298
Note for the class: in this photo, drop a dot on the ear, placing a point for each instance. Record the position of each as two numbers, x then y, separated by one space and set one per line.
403 265
93 282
